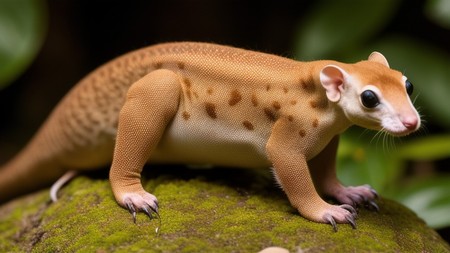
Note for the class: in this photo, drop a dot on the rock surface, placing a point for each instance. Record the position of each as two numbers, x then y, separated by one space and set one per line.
217 210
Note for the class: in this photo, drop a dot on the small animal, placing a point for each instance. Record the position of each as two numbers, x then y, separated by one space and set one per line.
199 103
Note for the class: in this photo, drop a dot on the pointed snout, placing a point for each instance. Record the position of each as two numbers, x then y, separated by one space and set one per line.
411 122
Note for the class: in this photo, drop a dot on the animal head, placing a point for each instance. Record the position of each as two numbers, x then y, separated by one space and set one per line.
372 95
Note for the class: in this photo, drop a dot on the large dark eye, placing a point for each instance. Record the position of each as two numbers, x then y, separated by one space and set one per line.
369 99
409 87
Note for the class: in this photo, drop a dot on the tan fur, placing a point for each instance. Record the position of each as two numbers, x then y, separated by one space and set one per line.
199 103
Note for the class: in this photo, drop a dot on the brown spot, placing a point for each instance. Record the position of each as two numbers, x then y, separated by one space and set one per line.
187 82
285 89
276 105
180 65
142 55
157 65
188 94
186 115
195 94
247 124
290 118
209 91
254 100
267 87
315 123
235 97
118 64
302 133
211 110
188 91
308 84
293 102
321 104
270 114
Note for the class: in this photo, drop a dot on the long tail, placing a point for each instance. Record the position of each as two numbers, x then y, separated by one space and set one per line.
27 171
60 183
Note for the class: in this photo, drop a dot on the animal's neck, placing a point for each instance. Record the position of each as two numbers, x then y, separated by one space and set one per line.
335 116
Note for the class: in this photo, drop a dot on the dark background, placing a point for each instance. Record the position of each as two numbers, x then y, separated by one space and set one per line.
84 34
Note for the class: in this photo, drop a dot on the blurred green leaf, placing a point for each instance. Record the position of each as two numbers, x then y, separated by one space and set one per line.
362 162
337 25
427 148
439 12
430 199
22 26
427 68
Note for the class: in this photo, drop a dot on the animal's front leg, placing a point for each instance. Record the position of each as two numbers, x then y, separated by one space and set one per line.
292 173
323 172
150 105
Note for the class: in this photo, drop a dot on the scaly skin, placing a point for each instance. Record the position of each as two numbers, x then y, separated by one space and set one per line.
199 103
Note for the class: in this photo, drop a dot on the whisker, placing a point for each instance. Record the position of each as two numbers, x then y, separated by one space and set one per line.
365 131
389 142
385 142
415 99
394 141
378 135
423 130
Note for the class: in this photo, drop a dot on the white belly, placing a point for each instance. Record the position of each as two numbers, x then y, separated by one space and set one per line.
209 143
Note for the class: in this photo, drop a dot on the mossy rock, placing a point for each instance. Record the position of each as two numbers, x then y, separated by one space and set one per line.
218 210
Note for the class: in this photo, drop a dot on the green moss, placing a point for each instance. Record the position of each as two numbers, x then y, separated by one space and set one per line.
201 211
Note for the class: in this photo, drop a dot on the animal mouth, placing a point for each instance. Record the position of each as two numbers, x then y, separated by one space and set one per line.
401 128
399 133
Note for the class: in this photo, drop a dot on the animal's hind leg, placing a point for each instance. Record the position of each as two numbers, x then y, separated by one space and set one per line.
150 105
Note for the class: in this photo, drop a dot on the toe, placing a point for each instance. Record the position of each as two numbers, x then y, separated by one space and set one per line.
131 209
372 205
330 220
352 221
140 202
358 196
340 214
351 209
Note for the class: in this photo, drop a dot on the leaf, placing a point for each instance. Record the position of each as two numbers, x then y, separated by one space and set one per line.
362 163
429 199
335 25
427 148
22 26
439 12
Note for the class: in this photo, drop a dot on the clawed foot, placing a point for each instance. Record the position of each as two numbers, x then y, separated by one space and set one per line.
340 214
145 202
358 196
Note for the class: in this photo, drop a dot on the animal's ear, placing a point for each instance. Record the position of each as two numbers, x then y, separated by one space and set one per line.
378 57
333 78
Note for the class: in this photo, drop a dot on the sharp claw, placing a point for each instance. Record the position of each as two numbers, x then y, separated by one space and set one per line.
331 221
154 209
351 209
365 199
374 206
132 210
374 192
351 221
356 199
146 211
